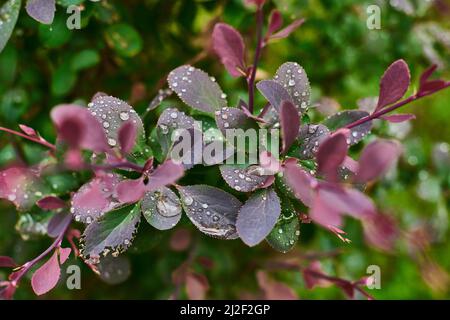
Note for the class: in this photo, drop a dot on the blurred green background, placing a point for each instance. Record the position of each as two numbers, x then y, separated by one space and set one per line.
126 48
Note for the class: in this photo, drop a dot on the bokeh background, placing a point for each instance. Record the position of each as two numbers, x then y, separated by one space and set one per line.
126 48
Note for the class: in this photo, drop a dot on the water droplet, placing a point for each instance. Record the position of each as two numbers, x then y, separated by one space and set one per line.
188 200
112 142
291 82
280 231
205 205
124 116
105 124
223 96
174 115
174 84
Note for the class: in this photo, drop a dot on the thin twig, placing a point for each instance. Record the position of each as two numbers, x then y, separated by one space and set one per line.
259 45
382 112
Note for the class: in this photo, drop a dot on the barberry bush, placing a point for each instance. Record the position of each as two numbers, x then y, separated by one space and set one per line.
111 182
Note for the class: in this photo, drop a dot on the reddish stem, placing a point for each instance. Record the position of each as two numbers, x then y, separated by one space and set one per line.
259 45
382 112
34 139
28 265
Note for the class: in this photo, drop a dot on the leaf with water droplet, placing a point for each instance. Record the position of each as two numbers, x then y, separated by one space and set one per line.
41 10
211 210
114 270
274 92
169 122
21 186
8 18
233 118
113 233
341 119
196 88
258 216
161 208
243 178
310 137
160 97
284 235
95 198
294 79
112 113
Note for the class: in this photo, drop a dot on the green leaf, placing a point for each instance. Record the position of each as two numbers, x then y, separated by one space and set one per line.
56 34
63 80
124 39
284 235
113 233
85 59
8 18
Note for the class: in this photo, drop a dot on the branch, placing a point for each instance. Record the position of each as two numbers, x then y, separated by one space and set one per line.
28 265
382 112
34 139
259 45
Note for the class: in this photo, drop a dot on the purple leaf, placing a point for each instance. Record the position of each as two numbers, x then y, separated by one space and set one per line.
310 137
64 254
274 290
41 10
433 85
258 216
300 181
290 124
196 286
425 76
258 3
273 92
394 84
28 131
161 208
50 203
197 89
211 210
95 198
169 121
233 118
328 106
47 276
376 159
229 46
242 178
112 113
324 213
331 155
21 186
58 224
396 118
79 128
269 163
294 79
275 22
166 174
343 118
127 136
244 107
113 233
7 262
162 95
381 232
285 32
130 191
